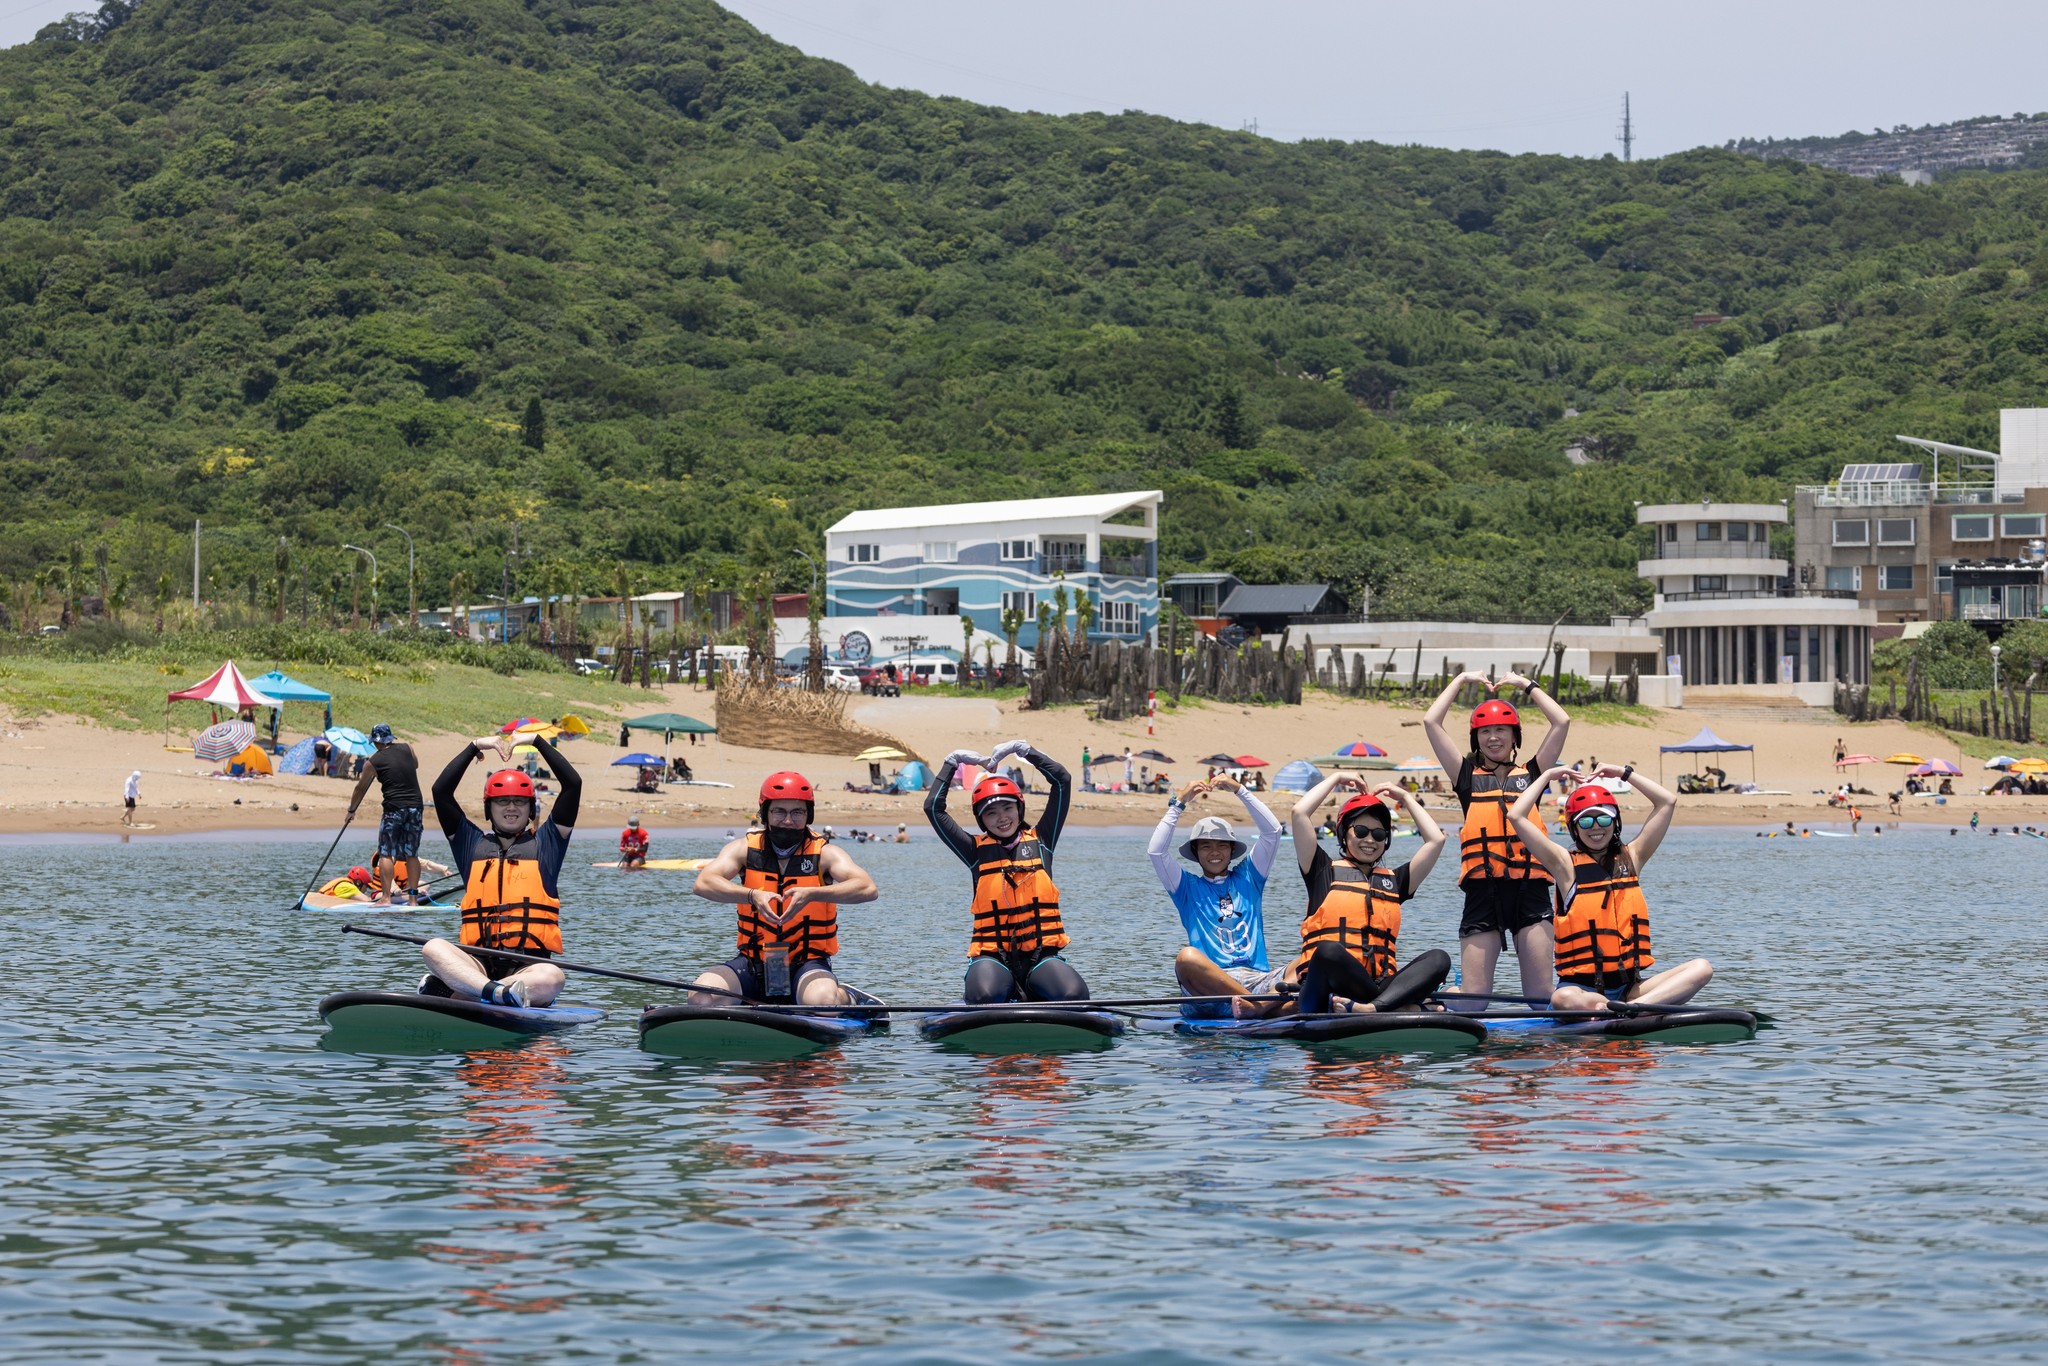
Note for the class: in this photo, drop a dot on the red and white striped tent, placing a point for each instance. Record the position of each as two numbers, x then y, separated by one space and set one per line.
224 687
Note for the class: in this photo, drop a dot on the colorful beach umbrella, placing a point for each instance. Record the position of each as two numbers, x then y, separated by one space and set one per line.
222 741
1903 758
523 723
2028 766
1360 749
880 754
1937 766
297 759
640 761
349 740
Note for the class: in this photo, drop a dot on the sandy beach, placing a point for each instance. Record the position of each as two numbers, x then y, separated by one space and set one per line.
63 775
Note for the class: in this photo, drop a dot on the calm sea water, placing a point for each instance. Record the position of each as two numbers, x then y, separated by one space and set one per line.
188 1176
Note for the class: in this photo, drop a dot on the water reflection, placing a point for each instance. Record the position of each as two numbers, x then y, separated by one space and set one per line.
509 1160
1020 1100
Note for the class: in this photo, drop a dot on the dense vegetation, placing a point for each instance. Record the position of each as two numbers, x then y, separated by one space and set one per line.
663 294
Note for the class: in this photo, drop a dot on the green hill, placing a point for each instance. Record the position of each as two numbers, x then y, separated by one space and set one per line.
305 269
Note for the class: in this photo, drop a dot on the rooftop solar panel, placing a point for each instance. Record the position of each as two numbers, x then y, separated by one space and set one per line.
1881 474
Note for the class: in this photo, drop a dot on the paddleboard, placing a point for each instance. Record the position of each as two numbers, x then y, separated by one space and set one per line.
360 905
139 825
1408 1031
438 1023
1022 1028
1704 1025
666 865
750 1033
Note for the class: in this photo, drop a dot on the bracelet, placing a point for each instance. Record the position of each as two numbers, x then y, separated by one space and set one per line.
1534 684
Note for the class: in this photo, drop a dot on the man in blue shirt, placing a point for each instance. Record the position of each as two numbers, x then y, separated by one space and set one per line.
1223 908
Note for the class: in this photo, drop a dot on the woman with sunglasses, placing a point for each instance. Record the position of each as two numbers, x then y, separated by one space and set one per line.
1603 922
1354 904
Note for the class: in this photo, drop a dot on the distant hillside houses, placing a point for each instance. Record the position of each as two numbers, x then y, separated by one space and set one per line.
1917 154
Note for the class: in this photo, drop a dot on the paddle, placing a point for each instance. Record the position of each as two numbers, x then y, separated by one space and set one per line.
326 856
476 952
1614 1008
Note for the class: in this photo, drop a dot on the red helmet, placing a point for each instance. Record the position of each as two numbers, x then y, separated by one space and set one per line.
1495 713
788 786
994 788
508 782
1361 805
1587 796
360 876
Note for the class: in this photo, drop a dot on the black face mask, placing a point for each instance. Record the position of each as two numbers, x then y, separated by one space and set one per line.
786 843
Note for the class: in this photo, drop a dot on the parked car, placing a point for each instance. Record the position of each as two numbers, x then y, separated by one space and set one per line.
842 678
592 666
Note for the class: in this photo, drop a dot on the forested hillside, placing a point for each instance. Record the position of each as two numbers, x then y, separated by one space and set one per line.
653 287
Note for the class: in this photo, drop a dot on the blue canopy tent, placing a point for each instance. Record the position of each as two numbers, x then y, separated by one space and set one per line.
1706 742
914 777
1299 776
285 689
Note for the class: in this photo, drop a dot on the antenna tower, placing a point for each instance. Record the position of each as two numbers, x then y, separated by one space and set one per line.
1251 125
1628 131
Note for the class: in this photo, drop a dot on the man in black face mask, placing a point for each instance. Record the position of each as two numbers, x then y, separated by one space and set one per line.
511 897
788 883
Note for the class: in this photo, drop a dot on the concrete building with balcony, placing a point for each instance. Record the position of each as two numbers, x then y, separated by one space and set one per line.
1893 534
979 560
1728 612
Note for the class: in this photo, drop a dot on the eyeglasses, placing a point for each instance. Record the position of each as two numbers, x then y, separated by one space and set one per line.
1371 832
785 817
1596 820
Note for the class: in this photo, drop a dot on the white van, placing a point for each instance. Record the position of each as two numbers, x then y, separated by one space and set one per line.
929 669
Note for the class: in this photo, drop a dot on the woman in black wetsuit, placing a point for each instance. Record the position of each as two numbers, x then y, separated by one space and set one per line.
1017 934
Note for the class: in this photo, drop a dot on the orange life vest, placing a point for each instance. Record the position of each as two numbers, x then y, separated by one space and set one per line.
1605 931
334 888
1487 844
814 933
1361 914
505 905
1016 904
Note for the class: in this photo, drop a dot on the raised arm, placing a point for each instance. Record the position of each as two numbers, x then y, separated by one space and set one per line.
1448 753
1267 847
447 809
948 830
1560 721
1529 826
1302 820
1663 804
1053 819
1425 826
569 803
1160 850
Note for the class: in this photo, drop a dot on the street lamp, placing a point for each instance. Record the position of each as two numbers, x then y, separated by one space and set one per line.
373 581
412 602
1994 669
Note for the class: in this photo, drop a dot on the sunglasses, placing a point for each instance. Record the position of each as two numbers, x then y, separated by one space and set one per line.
1596 820
1372 832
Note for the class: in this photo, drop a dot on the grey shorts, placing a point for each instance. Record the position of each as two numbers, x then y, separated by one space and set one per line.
1256 981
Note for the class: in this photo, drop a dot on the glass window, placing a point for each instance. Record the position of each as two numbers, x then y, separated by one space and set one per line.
1895 578
863 554
2022 524
1019 550
1852 531
1706 531
1844 578
1671 531
940 552
1710 583
1945 578
1119 618
1738 531
1973 526
1027 603
1895 531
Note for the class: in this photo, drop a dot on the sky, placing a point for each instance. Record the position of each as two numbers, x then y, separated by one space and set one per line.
1516 77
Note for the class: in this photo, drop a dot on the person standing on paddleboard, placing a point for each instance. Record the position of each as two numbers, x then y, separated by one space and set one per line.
789 883
1353 925
633 845
1017 933
1507 893
1603 923
511 879
1222 910
397 769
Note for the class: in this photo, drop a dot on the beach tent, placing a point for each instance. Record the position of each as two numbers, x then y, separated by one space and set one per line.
914 777
224 687
287 689
253 762
1706 742
298 759
1299 776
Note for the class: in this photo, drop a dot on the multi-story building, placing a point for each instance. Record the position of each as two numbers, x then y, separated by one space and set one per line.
979 560
1728 612
1892 534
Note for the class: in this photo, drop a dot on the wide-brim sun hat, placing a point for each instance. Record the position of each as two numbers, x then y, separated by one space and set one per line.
1212 828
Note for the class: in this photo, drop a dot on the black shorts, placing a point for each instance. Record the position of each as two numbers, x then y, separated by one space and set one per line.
748 971
128 802
1615 986
498 969
1504 905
